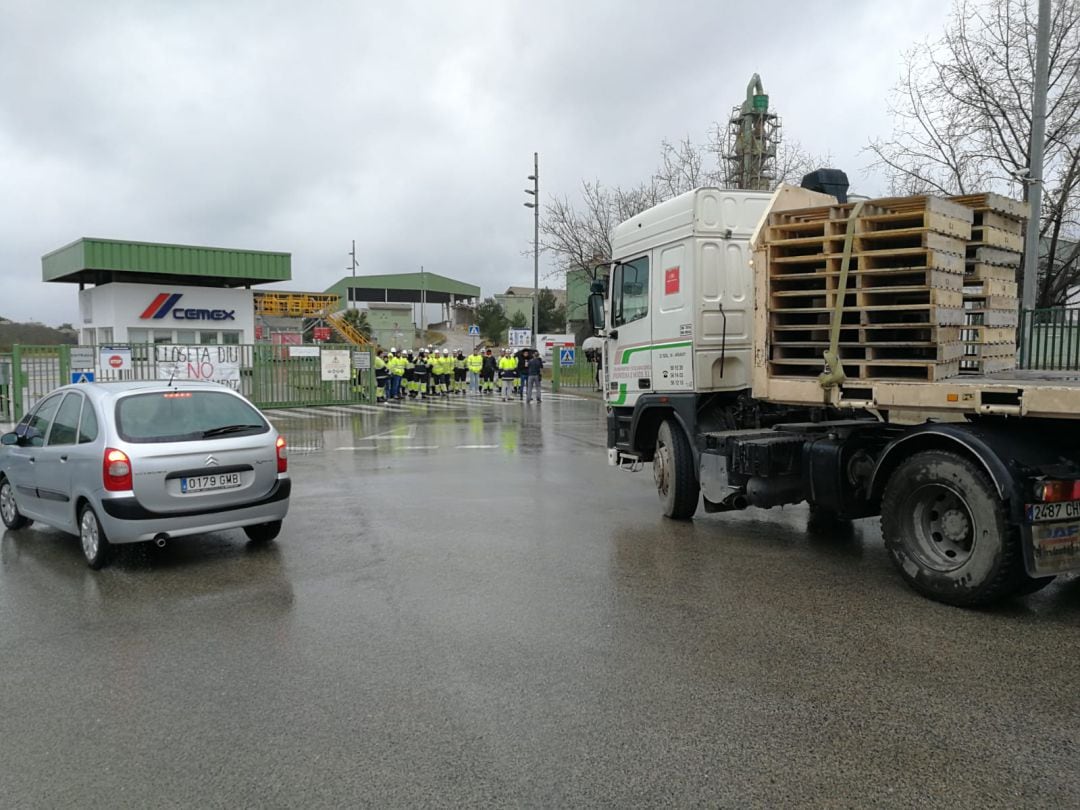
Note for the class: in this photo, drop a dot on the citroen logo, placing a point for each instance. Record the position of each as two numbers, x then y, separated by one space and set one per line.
211 461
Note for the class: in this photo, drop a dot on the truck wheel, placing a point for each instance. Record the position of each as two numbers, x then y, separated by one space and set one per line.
946 530
673 471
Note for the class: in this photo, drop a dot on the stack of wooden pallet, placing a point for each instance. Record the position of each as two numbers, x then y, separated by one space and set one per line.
902 306
990 293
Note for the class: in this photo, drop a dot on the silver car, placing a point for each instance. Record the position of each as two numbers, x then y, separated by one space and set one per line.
135 461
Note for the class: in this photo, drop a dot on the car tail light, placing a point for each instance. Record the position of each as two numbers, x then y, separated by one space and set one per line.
116 470
282 455
1054 491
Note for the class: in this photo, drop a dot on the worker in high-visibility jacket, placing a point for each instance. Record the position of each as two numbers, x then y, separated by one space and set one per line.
507 374
397 372
446 369
474 364
382 375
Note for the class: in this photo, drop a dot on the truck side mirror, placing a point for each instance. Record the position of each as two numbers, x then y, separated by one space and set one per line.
596 312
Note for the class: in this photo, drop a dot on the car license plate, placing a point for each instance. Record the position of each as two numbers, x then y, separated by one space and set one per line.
203 483
1046 512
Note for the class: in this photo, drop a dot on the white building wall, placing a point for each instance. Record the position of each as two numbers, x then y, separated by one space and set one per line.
112 313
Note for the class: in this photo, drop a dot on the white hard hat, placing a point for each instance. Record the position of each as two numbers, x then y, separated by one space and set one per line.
393 351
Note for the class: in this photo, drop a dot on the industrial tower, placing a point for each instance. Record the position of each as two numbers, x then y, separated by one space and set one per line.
752 137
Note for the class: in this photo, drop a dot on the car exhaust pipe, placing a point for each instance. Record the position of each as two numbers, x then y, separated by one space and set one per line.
161 540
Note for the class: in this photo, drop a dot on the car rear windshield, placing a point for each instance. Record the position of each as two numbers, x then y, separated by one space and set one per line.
186 416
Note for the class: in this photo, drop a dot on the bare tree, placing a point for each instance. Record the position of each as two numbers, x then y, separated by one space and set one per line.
579 235
962 114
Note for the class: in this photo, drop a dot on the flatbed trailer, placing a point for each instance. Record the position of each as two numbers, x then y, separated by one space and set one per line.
1018 393
976 478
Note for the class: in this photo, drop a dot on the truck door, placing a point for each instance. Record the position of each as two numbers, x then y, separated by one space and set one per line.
672 321
629 362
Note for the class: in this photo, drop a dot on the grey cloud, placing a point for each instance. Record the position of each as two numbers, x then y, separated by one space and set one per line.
408 126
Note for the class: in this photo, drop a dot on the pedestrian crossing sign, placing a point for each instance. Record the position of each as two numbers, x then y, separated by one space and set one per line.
474 331
566 356
82 377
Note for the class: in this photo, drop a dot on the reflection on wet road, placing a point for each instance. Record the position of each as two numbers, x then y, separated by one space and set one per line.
468 607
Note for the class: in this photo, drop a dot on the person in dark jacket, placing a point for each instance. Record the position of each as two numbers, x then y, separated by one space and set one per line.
534 366
487 372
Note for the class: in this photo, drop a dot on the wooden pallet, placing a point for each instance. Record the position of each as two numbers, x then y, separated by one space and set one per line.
982 254
987 365
931 351
991 317
977 334
996 238
993 203
989 272
871 370
976 288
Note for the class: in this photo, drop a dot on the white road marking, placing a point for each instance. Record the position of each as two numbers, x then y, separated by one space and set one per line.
403 432
290 415
476 447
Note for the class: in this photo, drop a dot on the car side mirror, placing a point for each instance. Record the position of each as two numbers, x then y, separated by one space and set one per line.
9 439
596 311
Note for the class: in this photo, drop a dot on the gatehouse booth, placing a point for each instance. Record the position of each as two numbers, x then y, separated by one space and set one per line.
150 293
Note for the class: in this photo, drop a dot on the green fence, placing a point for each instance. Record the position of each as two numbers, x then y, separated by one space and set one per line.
580 375
1050 339
271 376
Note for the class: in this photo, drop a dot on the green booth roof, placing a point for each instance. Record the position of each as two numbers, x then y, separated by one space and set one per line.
99 261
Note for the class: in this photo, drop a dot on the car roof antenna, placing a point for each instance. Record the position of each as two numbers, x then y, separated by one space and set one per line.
171 377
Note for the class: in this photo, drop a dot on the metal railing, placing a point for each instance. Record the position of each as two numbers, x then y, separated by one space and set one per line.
580 375
1050 339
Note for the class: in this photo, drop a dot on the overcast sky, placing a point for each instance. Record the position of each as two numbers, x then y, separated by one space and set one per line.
408 126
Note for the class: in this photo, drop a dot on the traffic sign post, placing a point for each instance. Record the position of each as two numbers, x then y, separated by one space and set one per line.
474 331
566 356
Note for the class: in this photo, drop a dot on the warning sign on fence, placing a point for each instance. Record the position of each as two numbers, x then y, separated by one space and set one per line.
336 365
115 359
220 364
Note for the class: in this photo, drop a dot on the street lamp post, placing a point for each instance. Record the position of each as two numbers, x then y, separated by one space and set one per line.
535 206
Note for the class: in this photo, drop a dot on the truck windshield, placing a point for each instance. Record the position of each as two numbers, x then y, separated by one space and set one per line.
630 291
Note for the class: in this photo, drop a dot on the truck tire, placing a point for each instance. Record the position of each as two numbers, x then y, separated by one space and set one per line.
673 471
947 532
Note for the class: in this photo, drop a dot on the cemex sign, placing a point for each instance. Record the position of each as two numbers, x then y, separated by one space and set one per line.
166 303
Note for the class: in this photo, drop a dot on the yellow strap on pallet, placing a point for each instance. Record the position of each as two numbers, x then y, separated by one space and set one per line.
834 369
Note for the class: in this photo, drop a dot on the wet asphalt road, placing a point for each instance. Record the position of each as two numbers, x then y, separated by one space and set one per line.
467 607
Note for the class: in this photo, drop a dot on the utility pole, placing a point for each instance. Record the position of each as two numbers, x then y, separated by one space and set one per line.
423 304
352 253
535 206
1035 170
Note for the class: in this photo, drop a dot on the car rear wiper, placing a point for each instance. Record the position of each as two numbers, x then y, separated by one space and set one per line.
221 431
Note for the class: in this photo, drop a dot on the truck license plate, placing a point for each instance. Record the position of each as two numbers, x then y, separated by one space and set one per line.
203 483
1046 512
1055 547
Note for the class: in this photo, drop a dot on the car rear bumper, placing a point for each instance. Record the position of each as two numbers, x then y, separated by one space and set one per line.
125 520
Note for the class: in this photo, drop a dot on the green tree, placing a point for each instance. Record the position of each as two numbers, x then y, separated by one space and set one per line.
492 320
358 320
552 316
519 321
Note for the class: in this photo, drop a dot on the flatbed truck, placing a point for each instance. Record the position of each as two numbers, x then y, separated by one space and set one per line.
976 479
